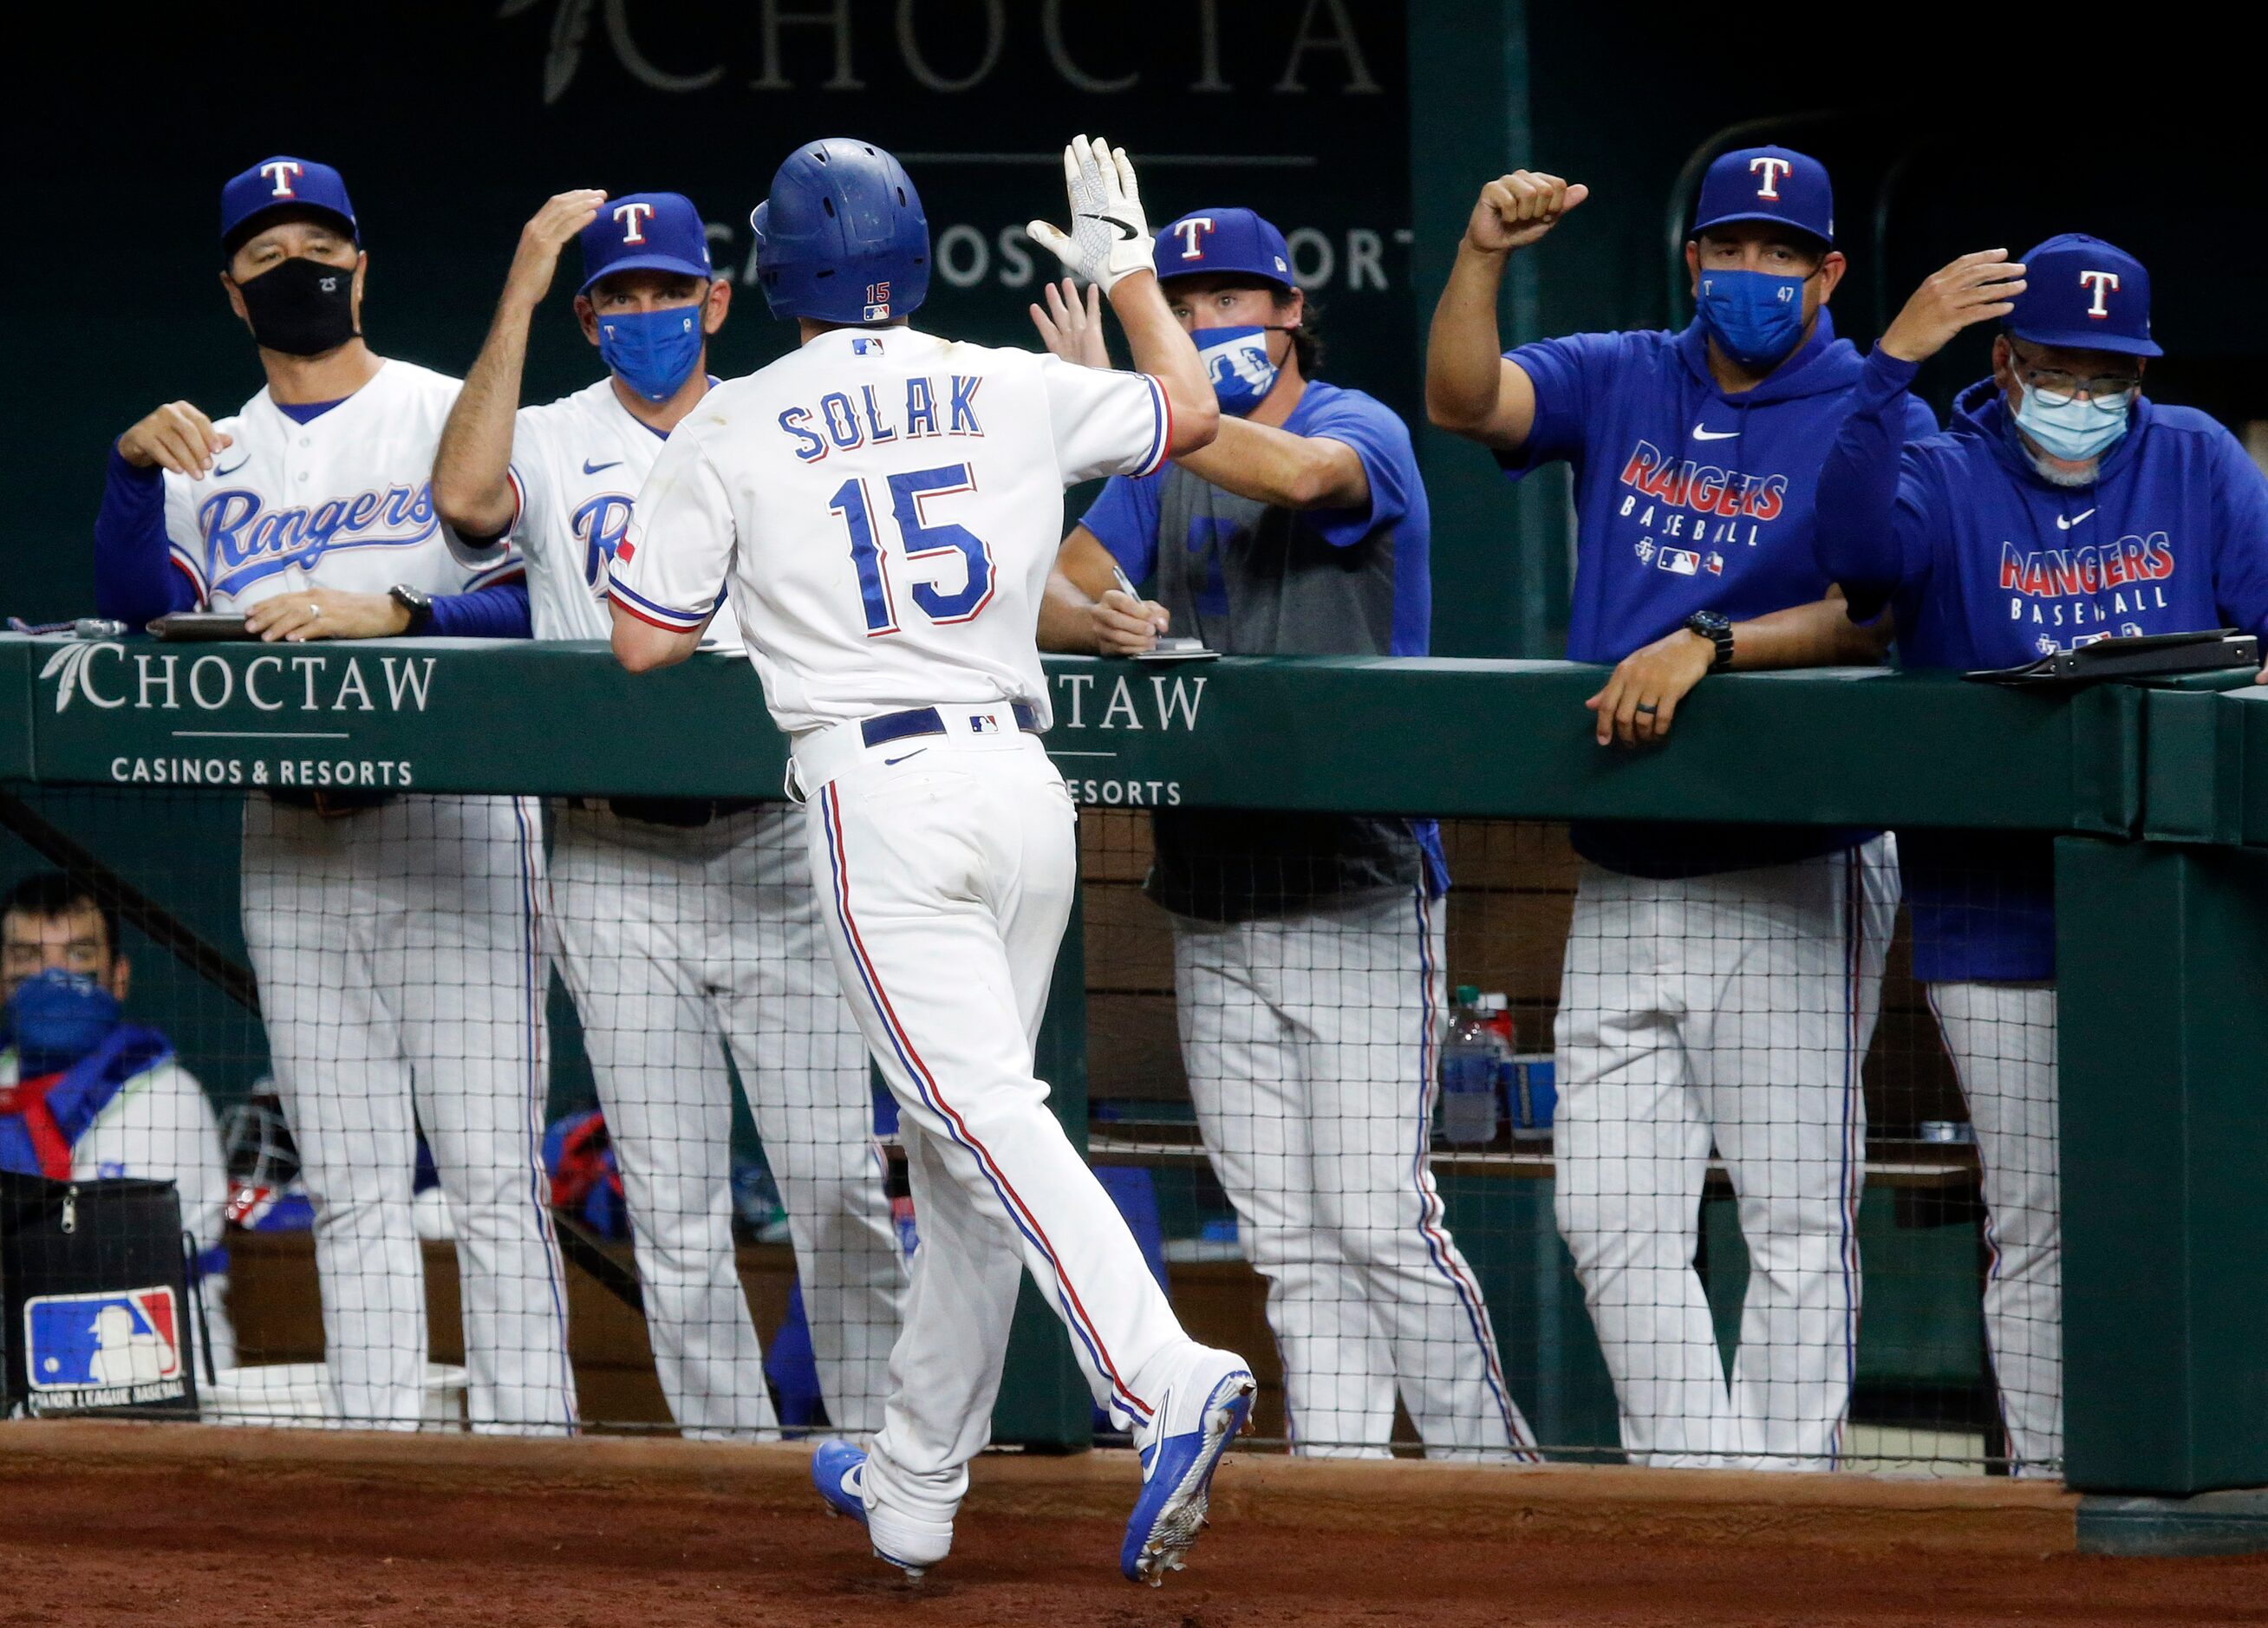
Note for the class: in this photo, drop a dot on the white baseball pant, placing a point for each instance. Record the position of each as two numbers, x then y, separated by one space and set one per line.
947 876
1735 1008
1310 1043
402 979
2002 1037
670 940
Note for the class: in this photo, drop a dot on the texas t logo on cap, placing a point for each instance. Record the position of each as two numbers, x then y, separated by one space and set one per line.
646 231
277 184
1225 241
2069 281
1767 184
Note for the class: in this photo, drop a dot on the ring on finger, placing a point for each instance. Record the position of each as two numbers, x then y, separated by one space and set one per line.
1648 708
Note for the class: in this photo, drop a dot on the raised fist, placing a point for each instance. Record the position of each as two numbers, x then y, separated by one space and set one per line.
1516 210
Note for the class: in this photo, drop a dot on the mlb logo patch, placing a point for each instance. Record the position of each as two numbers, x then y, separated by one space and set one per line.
865 347
80 1342
984 724
1678 562
878 302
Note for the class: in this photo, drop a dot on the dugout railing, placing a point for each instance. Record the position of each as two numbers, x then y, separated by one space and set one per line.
2157 799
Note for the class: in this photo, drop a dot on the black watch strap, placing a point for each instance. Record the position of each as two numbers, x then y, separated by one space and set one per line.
419 606
1718 630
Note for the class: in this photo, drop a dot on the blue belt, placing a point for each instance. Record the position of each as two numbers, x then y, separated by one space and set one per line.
925 721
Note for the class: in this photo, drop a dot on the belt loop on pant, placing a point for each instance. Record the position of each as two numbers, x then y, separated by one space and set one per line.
821 755
929 721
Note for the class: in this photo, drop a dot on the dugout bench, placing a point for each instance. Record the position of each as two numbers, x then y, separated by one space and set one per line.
2158 798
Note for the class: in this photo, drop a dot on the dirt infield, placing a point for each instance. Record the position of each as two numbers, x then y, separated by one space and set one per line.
176 1525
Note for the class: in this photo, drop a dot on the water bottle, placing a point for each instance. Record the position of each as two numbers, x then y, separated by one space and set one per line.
1468 1058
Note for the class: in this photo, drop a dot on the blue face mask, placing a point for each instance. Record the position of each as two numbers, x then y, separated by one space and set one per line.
1236 360
1756 316
653 352
2078 431
56 1018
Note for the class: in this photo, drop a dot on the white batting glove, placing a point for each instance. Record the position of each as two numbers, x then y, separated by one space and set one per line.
1109 238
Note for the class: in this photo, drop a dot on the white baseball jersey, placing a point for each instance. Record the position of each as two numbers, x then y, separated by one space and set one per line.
344 500
888 506
161 1128
576 465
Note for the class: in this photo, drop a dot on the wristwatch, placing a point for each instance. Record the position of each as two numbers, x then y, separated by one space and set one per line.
420 607
1716 628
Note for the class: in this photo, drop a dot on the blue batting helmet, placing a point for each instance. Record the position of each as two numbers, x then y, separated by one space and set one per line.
842 238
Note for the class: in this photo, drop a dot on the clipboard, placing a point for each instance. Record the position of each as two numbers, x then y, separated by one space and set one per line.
2148 655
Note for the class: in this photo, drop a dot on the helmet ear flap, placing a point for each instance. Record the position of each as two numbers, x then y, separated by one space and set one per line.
767 273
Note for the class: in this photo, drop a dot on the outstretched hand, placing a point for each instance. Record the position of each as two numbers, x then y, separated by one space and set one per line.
1071 327
1109 236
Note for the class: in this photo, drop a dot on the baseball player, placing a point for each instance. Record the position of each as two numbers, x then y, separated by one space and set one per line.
682 923
887 505
395 937
2063 506
1720 982
84 1094
1308 950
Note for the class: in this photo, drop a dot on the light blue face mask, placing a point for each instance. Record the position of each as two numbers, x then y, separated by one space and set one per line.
1756 316
653 352
1235 359
2078 431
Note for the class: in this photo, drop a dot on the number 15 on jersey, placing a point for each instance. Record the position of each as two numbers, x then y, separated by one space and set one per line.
917 540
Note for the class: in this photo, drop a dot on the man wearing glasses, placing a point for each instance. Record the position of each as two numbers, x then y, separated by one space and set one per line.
2064 506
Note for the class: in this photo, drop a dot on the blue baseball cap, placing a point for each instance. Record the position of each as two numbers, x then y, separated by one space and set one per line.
1222 242
1767 183
2084 294
282 183
645 231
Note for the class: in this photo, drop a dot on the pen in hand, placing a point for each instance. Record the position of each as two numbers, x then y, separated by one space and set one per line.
1125 584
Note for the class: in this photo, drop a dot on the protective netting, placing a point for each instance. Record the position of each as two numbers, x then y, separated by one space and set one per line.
486 1112
1696 1144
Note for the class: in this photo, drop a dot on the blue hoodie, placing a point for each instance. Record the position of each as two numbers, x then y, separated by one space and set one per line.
1989 566
1687 499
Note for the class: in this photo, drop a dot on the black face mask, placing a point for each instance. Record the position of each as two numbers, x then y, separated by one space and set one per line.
301 307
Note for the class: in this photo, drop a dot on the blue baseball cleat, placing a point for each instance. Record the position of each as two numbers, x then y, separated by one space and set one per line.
1197 1416
839 1471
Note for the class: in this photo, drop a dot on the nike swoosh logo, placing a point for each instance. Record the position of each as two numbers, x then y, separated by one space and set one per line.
2065 525
1124 230
891 763
592 469
1699 434
234 467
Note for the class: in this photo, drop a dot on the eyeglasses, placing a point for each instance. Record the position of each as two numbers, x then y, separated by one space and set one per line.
2058 388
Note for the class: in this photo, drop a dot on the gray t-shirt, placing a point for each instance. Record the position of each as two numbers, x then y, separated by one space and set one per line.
1252 579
